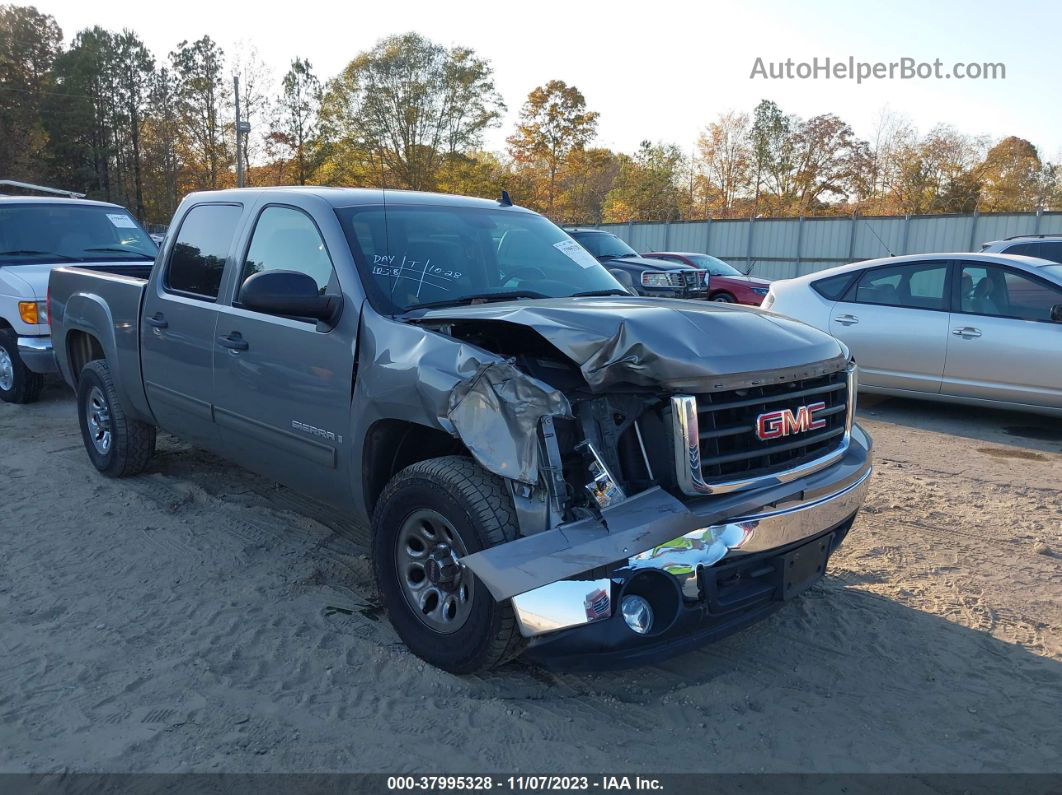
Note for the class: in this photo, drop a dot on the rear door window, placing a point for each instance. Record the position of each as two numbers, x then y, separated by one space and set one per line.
915 286
199 254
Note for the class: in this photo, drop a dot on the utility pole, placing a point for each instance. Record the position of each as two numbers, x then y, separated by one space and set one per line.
239 130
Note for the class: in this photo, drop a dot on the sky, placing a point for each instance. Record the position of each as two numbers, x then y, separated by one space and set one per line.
661 71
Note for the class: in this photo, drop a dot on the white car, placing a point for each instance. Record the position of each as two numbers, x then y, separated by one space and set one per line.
981 329
37 235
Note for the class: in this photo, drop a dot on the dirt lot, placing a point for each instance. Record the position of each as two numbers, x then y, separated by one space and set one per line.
200 618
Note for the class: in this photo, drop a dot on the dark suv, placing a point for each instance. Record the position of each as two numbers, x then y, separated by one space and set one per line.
1042 246
641 275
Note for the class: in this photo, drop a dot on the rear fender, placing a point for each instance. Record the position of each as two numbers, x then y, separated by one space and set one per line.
89 313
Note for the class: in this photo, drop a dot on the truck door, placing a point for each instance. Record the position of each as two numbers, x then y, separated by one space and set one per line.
178 320
283 384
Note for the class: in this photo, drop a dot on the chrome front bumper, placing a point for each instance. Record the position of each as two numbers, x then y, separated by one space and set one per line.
571 602
37 354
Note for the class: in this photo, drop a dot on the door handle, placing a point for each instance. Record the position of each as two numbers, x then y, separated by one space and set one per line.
966 332
158 320
234 342
846 320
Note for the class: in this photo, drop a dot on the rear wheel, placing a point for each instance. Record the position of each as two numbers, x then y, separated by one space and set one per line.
117 445
724 298
429 516
18 383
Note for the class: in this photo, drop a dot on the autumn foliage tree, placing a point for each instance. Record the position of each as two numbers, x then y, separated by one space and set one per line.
105 116
554 123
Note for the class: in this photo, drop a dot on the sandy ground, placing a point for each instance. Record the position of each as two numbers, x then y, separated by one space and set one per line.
201 618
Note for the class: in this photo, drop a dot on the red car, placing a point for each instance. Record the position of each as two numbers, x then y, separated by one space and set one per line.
726 284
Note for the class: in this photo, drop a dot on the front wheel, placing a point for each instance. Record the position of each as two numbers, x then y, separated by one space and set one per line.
430 515
724 298
117 445
18 383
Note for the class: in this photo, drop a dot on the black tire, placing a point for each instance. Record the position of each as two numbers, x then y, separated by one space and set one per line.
724 298
131 443
26 385
480 509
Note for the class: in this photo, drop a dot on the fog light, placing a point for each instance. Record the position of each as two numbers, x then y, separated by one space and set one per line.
637 614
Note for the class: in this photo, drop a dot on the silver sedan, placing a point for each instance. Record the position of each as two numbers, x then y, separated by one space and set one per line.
982 329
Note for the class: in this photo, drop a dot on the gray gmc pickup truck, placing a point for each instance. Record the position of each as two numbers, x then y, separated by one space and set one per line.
549 465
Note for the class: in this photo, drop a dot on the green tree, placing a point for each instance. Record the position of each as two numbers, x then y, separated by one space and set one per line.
408 103
646 188
134 67
29 44
203 100
81 116
163 146
295 128
554 122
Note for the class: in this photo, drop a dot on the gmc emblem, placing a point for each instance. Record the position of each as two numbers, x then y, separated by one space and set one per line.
785 423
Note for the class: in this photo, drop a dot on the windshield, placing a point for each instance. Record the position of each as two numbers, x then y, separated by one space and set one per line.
39 233
716 267
602 244
412 256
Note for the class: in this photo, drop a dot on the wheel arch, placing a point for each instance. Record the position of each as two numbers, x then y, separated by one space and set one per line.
82 347
392 445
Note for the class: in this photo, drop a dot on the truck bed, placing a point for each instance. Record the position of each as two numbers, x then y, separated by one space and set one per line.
101 302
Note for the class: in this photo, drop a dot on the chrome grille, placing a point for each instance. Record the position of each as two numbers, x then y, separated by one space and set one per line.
717 446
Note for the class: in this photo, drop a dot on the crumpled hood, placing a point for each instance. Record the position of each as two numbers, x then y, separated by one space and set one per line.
671 343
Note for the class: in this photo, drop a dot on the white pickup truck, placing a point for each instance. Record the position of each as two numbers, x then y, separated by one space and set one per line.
37 235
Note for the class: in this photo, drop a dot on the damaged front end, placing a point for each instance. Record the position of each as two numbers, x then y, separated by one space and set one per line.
657 505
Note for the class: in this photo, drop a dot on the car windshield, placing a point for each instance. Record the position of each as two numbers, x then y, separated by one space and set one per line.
716 267
38 233
413 256
604 245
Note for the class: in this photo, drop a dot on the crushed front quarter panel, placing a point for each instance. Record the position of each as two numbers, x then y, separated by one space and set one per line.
496 414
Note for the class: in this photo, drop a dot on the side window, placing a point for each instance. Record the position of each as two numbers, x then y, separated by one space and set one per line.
1024 249
832 287
917 286
1049 249
286 239
990 290
197 261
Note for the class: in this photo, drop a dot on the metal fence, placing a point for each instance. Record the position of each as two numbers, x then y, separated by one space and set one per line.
781 248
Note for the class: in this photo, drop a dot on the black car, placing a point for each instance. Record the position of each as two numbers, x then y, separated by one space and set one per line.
641 275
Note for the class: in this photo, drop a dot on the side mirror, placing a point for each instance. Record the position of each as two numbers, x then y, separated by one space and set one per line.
1056 313
624 279
289 293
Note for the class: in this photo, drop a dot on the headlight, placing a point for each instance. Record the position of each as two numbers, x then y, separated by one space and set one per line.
655 279
33 312
768 302
760 290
